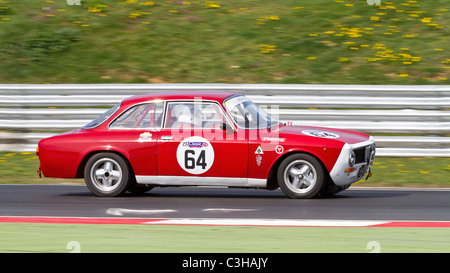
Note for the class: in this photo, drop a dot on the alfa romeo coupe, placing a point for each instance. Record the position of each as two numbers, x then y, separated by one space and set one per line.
205 139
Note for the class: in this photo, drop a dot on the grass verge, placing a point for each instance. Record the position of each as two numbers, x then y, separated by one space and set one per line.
215 239
254 41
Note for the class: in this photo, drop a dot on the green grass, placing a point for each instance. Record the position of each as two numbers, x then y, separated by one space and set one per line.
216 239
409 172
254 41
21 168
18 167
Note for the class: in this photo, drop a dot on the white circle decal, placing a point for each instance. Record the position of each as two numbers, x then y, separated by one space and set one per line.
195 155
317 133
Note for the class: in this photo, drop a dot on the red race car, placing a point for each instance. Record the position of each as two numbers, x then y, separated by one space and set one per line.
205 139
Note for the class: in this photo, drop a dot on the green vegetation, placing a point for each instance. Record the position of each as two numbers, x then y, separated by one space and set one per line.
216 239
400 172
254 41
409 172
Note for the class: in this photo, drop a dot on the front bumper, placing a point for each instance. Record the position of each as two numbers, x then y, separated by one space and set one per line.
342 173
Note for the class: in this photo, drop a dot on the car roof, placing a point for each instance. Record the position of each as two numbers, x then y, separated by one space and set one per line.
179 95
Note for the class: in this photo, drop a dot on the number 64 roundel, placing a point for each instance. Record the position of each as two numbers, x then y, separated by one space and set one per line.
195 155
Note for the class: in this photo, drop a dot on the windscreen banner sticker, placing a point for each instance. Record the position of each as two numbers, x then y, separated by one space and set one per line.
317 133
195 155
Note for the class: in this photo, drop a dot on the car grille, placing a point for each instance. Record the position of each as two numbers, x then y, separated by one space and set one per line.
363 154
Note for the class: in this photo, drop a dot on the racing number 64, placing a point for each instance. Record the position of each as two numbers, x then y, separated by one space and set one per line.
190 162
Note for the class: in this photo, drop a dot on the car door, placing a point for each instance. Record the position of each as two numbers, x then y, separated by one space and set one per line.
198 141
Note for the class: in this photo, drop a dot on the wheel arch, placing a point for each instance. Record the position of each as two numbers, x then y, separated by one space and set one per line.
82 165
272 181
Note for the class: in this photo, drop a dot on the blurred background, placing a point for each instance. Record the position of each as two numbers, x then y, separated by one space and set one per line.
253 41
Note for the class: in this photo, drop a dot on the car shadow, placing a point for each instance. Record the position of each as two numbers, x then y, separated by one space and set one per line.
192 192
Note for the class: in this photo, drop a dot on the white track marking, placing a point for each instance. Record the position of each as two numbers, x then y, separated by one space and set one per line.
121 212
227 210
269 222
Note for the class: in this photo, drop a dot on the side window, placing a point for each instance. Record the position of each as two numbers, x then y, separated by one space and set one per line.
147 115
194 115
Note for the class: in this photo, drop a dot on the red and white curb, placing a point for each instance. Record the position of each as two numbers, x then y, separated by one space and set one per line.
224 222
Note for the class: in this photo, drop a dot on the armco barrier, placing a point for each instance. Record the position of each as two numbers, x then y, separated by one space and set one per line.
411 121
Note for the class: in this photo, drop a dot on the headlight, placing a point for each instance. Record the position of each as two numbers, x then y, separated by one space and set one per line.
352 159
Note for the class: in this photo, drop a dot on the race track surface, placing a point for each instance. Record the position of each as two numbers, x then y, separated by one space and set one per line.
352 204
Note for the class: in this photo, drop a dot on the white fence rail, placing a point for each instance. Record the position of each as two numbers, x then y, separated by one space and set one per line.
407 120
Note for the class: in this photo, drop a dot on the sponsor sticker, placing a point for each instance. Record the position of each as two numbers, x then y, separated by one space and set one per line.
259 150
145 137
195 155
274 139
319 133
279 149
192 144
258 160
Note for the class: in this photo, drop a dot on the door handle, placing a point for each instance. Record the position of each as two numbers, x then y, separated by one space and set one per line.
166 138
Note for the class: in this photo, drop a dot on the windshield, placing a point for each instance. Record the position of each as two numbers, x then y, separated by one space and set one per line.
102 118
249 115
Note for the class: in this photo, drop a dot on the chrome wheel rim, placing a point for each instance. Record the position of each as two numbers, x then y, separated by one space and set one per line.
106 174
300 176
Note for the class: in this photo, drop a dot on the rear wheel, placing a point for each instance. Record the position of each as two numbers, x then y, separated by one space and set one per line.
300 176
107 174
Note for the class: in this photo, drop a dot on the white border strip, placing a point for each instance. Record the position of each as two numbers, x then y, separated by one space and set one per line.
269 222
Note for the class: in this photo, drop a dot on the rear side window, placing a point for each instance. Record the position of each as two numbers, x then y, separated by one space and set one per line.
146 115
102 118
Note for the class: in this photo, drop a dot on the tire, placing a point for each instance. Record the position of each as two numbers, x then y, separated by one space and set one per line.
107 174
301 176
139 188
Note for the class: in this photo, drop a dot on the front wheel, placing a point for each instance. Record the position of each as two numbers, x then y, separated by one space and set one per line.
107 174
300 176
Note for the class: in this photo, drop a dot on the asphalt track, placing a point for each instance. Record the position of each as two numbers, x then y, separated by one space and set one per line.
352 204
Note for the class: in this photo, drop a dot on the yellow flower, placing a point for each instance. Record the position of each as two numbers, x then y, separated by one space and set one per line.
212 4
150 3
311 58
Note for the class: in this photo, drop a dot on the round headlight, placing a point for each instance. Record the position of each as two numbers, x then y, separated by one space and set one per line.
352 159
